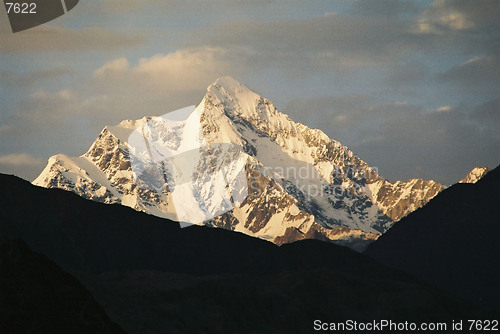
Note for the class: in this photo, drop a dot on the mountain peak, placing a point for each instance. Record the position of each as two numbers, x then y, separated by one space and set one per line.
229 91
229 84
299 182
475 175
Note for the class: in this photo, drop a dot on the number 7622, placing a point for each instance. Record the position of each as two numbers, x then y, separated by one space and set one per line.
21 8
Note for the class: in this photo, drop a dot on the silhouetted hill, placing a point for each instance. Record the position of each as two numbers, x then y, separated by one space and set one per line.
151 276
452 241
36 296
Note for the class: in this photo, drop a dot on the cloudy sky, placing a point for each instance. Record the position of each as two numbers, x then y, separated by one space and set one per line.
412 87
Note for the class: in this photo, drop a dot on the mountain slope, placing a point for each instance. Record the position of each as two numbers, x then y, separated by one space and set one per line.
301 184
452 241
38 297
151 276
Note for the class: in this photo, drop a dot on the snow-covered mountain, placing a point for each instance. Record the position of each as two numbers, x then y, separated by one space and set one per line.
475 175
301 183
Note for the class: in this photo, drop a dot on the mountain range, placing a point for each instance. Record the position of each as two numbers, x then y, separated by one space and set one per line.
301 183
151 276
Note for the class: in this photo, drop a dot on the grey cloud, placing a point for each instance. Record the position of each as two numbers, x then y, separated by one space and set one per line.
388 8
408 73
48 123
110 7
48 38
472 24
331 41
442 145
363 39
15 80
46 108
351 119
21 164
477 71
19 159
135 6
487 115
185 69
482 13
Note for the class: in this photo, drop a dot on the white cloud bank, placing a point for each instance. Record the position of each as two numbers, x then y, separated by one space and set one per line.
184 69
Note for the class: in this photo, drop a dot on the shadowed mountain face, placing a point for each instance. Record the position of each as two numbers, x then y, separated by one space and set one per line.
153 277
36 296
286 302
452 241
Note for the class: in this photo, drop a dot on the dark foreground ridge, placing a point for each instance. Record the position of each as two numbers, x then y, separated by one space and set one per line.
36 296
451 242
151 276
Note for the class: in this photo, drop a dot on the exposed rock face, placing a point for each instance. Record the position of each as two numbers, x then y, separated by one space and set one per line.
476 174
301 183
